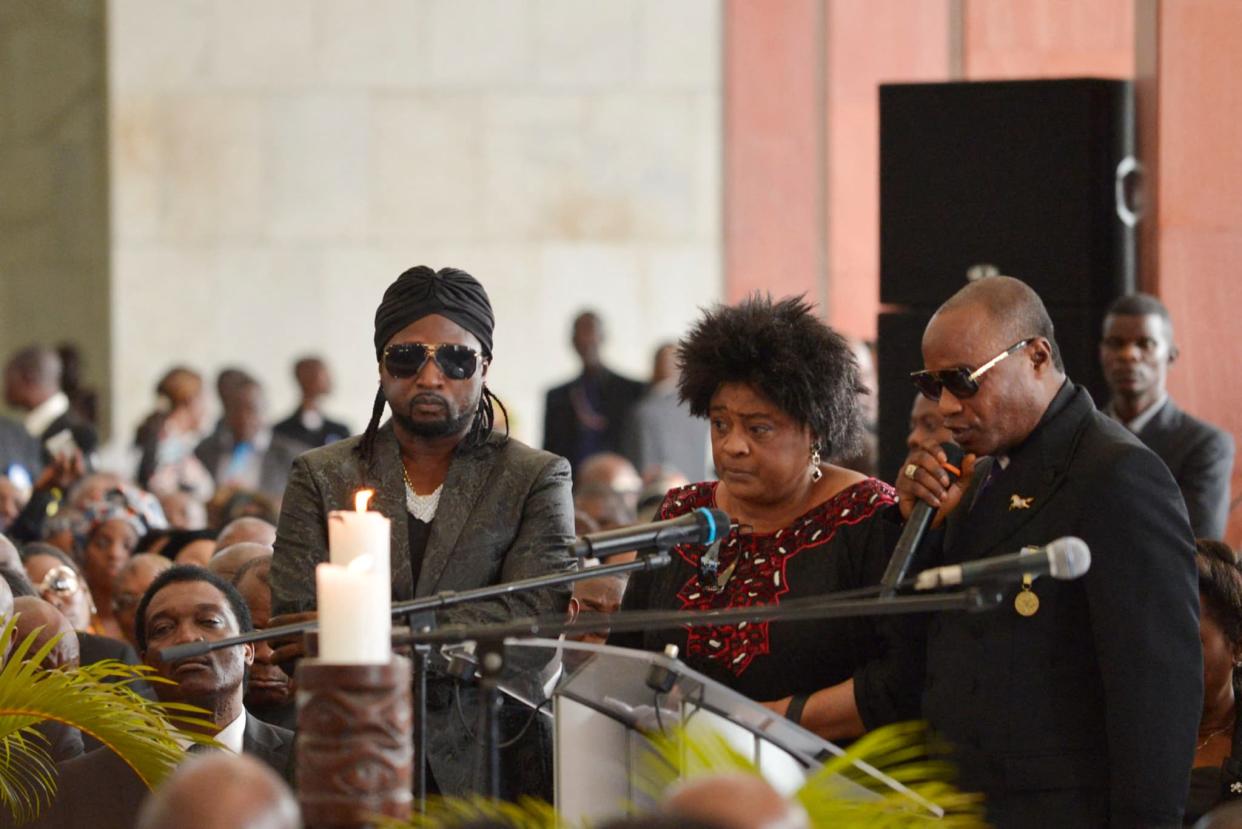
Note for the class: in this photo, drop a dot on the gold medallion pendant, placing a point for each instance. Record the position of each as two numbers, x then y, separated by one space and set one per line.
1026 602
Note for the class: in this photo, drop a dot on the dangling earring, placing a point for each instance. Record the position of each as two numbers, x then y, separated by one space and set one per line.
816 472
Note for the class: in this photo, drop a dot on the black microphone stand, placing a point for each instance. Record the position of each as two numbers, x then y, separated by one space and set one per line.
418 612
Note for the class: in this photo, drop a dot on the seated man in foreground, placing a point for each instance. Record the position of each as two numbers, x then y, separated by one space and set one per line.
184 604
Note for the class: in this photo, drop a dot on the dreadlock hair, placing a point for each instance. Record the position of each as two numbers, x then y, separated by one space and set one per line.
784 352
480 427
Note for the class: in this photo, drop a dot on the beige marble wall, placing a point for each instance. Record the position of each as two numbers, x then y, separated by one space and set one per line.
54 179
276 164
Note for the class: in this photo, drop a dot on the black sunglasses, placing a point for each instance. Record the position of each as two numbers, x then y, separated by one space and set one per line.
961 382
458 362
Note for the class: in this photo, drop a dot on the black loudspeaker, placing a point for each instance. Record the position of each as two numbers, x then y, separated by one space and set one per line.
1023 178
1015 177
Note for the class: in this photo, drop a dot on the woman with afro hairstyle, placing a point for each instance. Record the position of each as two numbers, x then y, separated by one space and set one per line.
781 393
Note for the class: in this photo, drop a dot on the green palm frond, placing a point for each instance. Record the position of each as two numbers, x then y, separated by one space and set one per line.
95 699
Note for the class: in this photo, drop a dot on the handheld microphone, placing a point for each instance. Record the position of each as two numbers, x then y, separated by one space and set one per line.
916 525
1066 559
703 526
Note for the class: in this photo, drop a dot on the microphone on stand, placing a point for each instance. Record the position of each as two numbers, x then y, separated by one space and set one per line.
703 526
1066 559
916 525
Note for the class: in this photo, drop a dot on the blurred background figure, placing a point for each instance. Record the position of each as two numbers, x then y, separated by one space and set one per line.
1136 350
245 452
308 425
221 790
32 385
131 582
59 581
167 437
183 511
587 415
926 424
599 595
269 690
660 433
83 399
734 801
865 459
613 472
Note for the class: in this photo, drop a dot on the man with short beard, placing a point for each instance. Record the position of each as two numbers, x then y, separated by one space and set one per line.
469 507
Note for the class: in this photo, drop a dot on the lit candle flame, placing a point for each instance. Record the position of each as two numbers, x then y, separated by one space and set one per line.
362 499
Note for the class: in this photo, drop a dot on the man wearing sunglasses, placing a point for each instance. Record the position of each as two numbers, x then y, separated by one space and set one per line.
469 507
1073 703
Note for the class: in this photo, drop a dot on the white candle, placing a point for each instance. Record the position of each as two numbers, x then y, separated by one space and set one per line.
354 624
355 591
356 533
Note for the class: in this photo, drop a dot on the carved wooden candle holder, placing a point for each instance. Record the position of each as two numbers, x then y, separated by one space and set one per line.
354 750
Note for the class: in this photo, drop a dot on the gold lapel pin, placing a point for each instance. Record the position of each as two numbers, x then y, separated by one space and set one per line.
1016 501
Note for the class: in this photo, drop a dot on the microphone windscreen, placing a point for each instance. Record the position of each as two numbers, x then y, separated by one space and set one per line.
954 454
1068 558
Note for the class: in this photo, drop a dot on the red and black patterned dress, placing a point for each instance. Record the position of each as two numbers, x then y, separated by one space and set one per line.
840 544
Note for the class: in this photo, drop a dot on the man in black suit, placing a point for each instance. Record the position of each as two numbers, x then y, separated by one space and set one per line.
1073 703
1135 352
18 449
308 425
184 604
32 384
588 414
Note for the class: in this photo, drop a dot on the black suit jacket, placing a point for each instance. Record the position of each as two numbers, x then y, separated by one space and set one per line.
1200 456
330 432
98 790
561 433
1086 713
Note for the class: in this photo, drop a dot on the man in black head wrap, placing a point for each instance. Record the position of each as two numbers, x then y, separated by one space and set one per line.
469 507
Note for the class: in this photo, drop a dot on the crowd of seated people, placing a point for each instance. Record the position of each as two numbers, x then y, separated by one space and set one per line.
115 561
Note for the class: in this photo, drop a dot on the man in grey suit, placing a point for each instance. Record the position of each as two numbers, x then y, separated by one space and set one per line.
1135 352
183 604
468 507
244 451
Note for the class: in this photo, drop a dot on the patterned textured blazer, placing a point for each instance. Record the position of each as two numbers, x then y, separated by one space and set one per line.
506 513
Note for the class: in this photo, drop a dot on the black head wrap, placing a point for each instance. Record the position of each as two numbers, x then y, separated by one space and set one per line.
449 292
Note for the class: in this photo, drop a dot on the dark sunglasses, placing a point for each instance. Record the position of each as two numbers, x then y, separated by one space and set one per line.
961 382
458 362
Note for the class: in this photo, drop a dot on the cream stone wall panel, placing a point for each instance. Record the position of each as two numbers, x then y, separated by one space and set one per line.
265 44
532 150
585 45
137 163
321 167
353 51
160 44
679 43
215 167
643 151
428 182
480 43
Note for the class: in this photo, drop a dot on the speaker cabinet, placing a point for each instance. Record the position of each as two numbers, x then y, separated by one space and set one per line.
1022 178
1013 177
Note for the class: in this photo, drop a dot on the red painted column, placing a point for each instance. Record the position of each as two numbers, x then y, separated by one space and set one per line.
773 148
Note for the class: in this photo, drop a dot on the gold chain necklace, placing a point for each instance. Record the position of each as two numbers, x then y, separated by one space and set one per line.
1213 735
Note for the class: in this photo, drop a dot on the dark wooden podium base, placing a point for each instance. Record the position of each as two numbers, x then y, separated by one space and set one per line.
354 750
